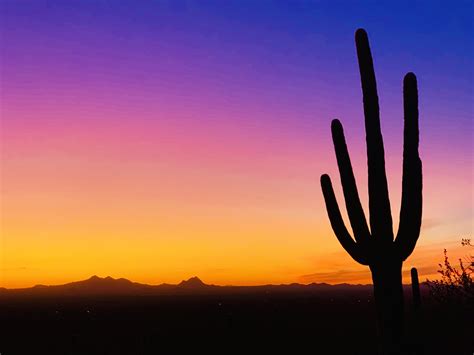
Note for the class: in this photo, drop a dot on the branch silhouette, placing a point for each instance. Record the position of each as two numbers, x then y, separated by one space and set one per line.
376 247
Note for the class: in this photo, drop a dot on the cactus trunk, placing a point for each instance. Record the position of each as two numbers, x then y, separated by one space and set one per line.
388 292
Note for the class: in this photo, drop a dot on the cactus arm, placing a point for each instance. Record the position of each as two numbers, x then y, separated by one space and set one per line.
337 222
379 204
351 196
411 205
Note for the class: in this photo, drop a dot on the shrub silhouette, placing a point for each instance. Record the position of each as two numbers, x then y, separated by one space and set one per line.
377 247
455 286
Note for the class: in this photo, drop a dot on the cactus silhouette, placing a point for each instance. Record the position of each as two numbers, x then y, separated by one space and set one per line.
415 289
377 247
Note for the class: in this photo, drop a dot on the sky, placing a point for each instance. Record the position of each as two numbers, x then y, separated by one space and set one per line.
158 140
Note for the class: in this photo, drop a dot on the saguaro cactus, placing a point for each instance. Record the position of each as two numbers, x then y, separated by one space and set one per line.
377 247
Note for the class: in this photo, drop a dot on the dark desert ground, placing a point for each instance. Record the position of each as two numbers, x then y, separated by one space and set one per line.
116 316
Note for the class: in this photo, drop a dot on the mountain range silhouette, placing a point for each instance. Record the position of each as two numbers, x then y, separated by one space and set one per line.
96 285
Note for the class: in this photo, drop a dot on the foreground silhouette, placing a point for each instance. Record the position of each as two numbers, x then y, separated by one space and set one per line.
291 319
377 247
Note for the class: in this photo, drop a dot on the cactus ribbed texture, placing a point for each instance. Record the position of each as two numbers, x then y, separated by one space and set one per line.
376 247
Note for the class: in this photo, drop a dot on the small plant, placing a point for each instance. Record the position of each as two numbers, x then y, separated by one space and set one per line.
455 285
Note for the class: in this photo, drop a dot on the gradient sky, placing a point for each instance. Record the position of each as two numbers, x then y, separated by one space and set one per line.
157 140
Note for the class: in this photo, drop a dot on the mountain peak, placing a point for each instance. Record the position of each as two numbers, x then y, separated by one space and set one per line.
102 279
192 282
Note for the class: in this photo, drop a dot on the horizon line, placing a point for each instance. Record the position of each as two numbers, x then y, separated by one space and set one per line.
183 281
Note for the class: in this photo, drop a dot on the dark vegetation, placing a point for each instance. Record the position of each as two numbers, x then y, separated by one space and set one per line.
455 285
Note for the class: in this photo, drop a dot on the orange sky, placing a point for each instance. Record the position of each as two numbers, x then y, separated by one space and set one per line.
154 223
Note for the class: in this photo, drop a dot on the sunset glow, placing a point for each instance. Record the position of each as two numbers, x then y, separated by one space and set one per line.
171 140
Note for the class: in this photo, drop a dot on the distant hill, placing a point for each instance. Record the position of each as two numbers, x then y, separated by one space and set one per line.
193 282
96 286
93 285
